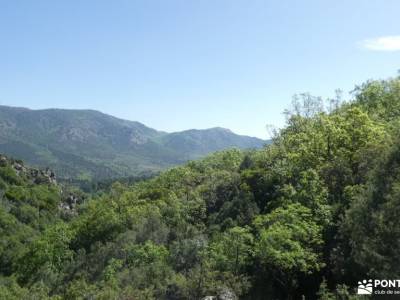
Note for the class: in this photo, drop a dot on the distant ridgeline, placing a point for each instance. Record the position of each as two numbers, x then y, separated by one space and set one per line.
87 144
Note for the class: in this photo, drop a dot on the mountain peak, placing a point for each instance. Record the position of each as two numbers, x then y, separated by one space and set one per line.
88 143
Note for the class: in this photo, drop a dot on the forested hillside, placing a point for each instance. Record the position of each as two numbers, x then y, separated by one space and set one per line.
308 215
86 145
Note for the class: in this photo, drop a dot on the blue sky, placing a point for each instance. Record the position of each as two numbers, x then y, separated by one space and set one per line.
175 65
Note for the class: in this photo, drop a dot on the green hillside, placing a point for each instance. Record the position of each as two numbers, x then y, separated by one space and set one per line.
306 217
86 144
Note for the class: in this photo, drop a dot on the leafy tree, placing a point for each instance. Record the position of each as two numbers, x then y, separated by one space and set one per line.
371 224
48 252
289 242
232 250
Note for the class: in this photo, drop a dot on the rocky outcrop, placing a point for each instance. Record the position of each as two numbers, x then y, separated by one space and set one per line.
68 206
226 294
37 176
69 200
43 176
223 294
3 161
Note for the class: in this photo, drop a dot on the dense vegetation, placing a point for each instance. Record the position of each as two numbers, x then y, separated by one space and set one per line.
310 214
82 145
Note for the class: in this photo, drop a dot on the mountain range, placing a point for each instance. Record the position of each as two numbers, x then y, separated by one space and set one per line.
88 144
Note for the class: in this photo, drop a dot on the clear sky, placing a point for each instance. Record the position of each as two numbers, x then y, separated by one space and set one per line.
175 65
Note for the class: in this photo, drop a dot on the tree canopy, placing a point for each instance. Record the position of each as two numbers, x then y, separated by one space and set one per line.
308 215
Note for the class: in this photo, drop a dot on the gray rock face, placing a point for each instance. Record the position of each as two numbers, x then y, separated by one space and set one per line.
224 294
3 161
43 176
68 206
227 294
18 167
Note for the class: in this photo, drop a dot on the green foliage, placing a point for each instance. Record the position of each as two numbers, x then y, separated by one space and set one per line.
98 222
289 242
372 224
49 252
232 250
308 215
143 255
8 174
380 98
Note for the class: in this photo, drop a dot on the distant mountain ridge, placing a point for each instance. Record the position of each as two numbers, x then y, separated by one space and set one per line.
87 144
